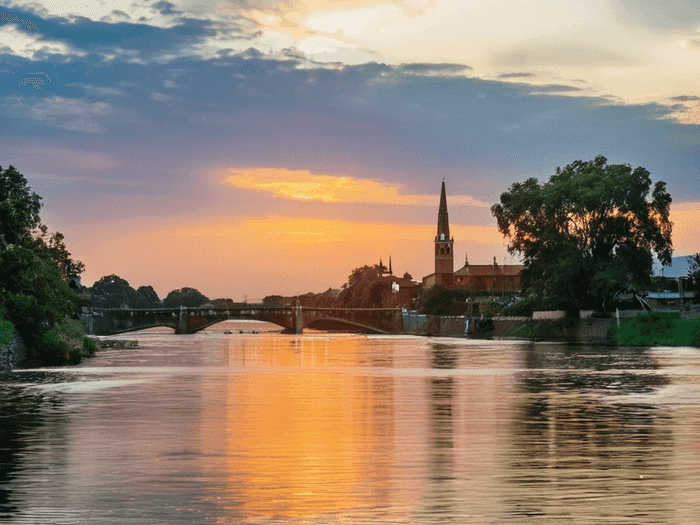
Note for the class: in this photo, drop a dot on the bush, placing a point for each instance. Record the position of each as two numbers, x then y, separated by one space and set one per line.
65 344
7 329
660 328
49 350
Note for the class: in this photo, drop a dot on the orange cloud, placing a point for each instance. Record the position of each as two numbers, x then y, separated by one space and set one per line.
302 185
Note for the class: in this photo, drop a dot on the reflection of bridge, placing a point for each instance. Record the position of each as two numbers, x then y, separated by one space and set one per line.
294 319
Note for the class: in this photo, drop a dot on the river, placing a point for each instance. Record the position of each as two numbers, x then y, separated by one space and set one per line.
320 428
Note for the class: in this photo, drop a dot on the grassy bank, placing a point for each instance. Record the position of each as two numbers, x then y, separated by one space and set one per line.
667 329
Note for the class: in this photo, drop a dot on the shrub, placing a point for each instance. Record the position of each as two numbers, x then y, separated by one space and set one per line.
50 350
7 330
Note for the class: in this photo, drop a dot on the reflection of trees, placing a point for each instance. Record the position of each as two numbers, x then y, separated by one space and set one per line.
23 419
578 452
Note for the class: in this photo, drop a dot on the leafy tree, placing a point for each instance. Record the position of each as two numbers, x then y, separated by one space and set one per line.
55 247
589 232
34 270
34 296
111 291
147 297
19 208
364 288
272 300
189 297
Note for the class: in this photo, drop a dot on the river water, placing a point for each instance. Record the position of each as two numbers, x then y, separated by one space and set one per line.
259 428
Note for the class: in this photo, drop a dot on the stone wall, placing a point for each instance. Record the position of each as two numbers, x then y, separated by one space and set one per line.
12 354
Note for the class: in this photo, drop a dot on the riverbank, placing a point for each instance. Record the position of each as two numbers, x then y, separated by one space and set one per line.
635 329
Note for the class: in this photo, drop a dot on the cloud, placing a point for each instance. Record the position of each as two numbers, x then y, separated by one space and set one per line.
516 75
685 98
657 15
423 69
304 186
547 54
32 46
101 90
71 114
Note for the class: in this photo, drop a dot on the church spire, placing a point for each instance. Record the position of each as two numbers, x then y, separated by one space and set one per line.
443 225
444 244
390 272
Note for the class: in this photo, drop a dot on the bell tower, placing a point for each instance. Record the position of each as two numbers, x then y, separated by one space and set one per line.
444 245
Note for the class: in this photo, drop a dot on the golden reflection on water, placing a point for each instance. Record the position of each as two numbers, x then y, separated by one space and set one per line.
301 442
341 429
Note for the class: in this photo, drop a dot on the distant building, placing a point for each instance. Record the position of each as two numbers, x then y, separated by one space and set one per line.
481 278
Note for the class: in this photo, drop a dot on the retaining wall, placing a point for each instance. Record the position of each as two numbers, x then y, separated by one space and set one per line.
12 354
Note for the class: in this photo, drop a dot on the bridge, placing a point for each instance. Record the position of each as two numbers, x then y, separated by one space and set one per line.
183 320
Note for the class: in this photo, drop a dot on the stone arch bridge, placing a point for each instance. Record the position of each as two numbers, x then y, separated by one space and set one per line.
183 320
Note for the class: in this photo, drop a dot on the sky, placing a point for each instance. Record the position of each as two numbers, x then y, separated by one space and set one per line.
256 147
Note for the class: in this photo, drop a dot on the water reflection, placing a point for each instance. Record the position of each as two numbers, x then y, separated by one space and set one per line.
272 428
573 455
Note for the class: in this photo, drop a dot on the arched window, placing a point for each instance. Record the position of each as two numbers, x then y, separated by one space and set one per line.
448 250
442 250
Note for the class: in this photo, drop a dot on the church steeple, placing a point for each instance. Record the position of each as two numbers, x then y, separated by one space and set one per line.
444 252
443 225
390 272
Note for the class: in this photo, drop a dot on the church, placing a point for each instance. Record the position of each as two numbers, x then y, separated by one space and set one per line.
493 278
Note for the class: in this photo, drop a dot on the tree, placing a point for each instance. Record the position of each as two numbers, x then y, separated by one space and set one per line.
189 297
34 296
55 247
34 270
111 291
589 232
19 208
364 288
147 297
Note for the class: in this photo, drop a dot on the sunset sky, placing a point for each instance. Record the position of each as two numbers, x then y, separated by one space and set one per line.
257 147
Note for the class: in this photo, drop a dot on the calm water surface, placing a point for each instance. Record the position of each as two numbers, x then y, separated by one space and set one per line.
348 429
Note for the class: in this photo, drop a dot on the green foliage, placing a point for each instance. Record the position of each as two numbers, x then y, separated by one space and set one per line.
111 291
7 330
65 344
55 247
50 350
589 232
438 300
34 294
660 328
528 331
34 272
19 208
189 297
147 297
